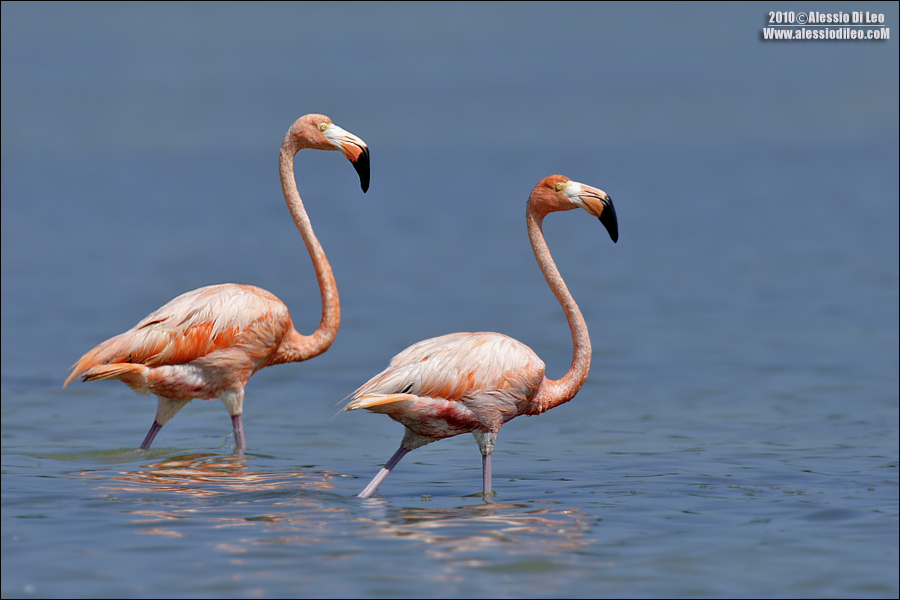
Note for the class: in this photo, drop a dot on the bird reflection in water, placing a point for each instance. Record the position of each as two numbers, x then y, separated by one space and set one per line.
299 508
517 528
205 474
204 478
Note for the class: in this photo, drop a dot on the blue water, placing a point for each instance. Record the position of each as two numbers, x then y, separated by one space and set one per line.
738 433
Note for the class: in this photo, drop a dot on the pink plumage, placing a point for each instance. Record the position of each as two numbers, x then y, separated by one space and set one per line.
206 343
476 382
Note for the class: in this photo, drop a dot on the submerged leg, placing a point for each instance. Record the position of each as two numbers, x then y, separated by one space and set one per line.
486 441
239 442
166 408
234 403
373 485
486 475
154 429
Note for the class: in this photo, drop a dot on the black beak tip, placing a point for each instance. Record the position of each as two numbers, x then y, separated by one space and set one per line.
362 169
613 233
608 218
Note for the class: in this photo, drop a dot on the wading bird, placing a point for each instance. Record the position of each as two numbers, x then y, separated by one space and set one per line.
476 382
208 342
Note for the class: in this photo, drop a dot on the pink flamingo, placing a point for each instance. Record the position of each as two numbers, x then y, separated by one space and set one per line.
207 343
476 382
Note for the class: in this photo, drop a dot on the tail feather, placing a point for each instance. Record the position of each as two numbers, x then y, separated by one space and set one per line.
374 401
118 351
129 373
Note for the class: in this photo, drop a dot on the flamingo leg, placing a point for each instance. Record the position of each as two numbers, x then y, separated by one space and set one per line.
239 442
486 475
486 441
373 485
166 408
154 429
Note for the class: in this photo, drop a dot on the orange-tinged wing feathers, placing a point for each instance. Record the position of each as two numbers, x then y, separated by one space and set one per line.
449 384
189 327
459 364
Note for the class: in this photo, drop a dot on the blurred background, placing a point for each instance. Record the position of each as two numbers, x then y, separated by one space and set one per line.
741 416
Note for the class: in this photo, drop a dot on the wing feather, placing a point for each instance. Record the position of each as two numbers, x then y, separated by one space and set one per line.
486 375
188 327
454 365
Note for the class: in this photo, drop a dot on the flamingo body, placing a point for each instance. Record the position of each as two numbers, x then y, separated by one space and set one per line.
476 382
208 342
199 345
453 384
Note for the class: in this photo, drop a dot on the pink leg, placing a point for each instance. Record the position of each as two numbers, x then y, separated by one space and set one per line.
239 442
154 429
373 485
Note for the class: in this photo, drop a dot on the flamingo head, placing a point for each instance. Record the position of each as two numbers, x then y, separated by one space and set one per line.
319 132
558 192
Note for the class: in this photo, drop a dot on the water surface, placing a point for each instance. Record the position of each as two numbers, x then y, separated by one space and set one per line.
737 436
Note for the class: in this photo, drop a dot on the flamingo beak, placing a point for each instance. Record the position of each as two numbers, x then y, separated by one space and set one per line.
598 203
356 151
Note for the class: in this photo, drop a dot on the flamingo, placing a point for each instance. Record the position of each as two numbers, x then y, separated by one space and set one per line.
207 343
476 382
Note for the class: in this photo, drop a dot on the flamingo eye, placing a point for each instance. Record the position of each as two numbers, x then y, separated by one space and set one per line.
560 186
323 126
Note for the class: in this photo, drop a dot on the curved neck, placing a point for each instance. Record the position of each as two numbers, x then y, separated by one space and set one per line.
325 333
555 392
